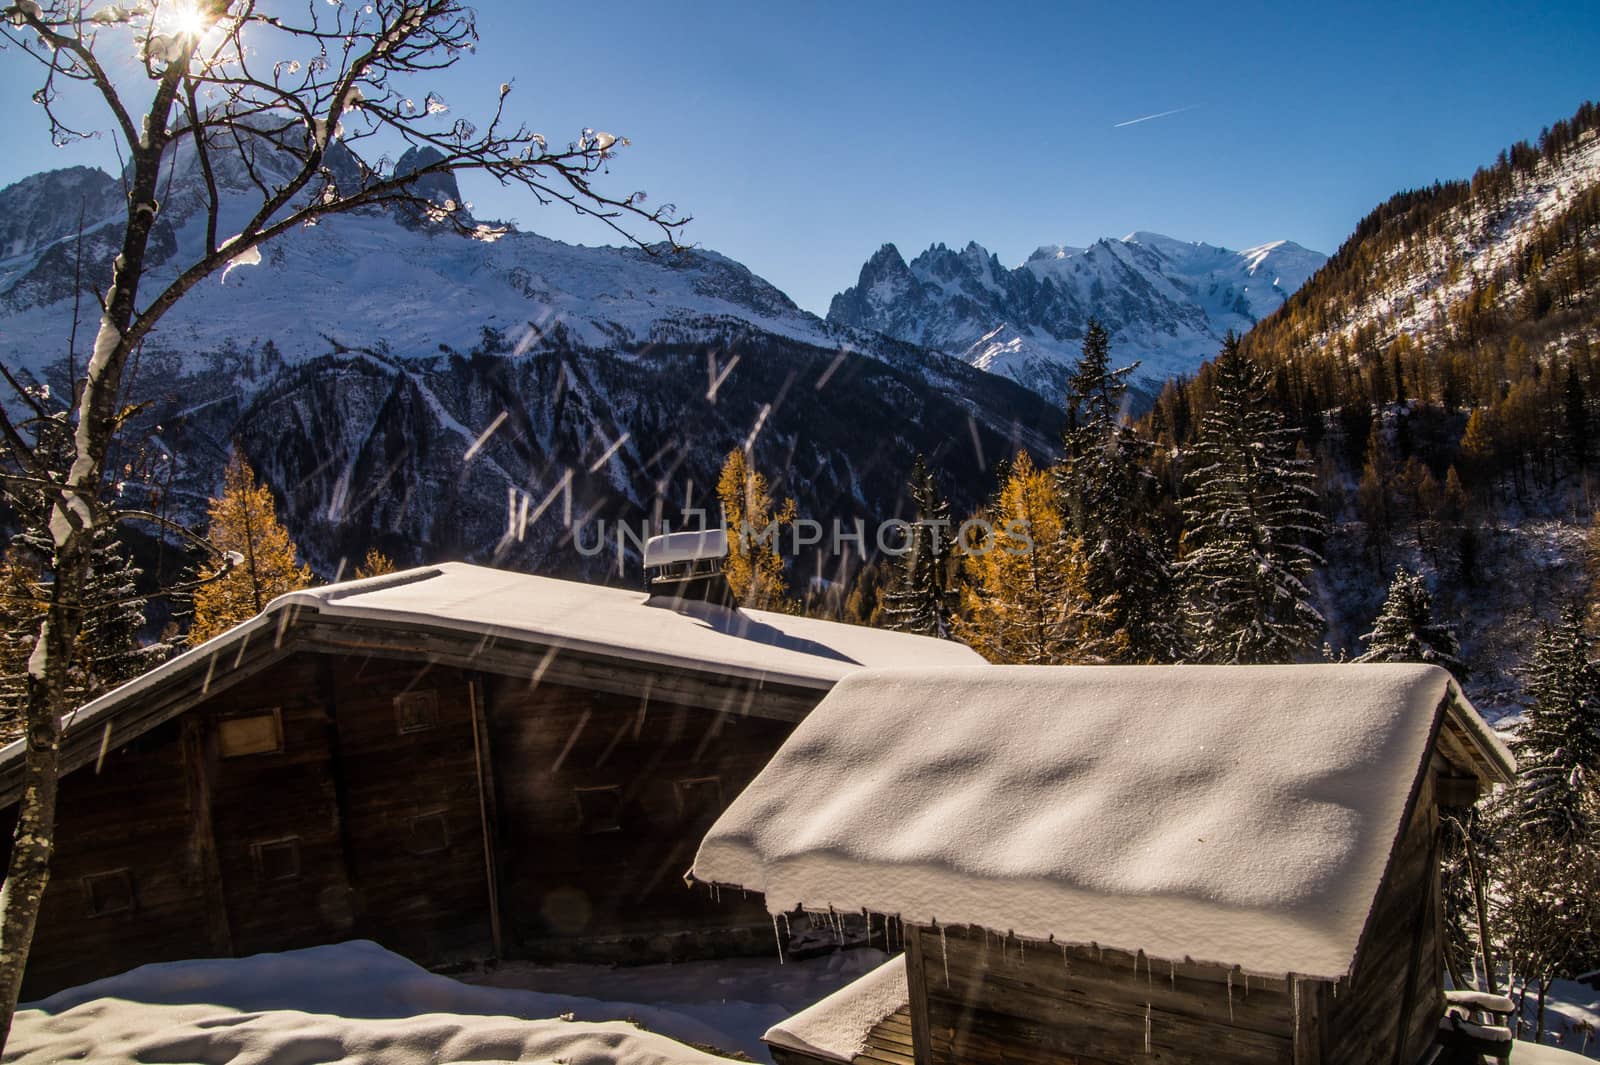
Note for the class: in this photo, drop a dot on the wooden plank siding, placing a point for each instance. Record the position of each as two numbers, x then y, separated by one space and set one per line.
1008 1002
1005 1002
411 807
364 825
666 768
1399 973
166 918
279 809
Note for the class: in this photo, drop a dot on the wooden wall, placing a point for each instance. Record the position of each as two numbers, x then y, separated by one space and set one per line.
367 821
564 758
1006 1002
1003 1002
1398 982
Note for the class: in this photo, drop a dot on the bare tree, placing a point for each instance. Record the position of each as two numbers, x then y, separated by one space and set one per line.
307 99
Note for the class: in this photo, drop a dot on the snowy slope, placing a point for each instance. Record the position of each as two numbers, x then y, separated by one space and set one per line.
361 360
1167 303
355 280
1432 272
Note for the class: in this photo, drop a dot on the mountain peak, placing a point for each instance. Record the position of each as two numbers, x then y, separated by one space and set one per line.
1166 301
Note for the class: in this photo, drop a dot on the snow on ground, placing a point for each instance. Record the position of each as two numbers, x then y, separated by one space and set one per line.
359 1003
738 998
1569 1009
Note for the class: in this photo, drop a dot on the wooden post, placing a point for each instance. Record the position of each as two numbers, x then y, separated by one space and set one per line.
328 693
1310 1019
917 985
198 750
486 809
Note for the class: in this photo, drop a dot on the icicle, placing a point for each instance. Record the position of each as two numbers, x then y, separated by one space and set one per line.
1022 951
786 929
944 951
1247 986
1172 974
776 937
1147 1027
1230 996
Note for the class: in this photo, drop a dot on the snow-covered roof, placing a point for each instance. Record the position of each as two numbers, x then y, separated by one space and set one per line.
1241 815
836 1028
622 623
545 612
685 547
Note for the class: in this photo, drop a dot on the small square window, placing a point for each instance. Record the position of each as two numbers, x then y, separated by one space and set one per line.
109 893
429 834
250 734
699 797
416 711
599 809
277 859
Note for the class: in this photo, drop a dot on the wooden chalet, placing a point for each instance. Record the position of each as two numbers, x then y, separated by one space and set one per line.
448 759
1096 865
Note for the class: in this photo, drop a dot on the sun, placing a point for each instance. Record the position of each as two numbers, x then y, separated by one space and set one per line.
187 19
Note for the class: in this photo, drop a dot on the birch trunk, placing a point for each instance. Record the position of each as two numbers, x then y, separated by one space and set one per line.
73 514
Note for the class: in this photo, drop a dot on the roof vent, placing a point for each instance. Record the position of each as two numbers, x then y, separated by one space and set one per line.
687 567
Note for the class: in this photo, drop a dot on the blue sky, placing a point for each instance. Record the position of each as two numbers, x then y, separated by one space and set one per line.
802 137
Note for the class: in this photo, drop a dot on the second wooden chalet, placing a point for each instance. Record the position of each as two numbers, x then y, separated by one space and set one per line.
445 759
1098 865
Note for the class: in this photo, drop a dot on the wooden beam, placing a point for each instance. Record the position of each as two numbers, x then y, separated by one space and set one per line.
917 985
1310 1019
328 696
199 752
486 808
531 661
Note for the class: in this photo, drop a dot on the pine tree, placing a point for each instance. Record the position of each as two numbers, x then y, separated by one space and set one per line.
244 526
1104 482
923 599
1558 743
1406 632
754 567
1026 600
1252 528
109 649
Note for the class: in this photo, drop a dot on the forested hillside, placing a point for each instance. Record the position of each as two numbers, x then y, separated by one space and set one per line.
1442 372
1429 401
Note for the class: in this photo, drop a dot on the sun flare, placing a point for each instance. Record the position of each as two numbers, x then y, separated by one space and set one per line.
187 19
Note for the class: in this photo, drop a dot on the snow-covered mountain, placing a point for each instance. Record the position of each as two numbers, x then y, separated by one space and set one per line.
362 359
1167 303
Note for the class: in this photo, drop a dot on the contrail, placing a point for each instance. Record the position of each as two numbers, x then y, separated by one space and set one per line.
1159 114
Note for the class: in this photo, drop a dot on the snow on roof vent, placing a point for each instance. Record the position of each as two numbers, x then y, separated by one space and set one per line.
685 547
686 567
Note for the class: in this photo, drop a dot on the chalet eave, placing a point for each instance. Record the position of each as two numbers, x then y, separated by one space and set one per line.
126 713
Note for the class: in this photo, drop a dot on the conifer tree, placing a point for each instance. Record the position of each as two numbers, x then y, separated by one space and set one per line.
754 566
923 599
109 648
1252 530
244 526
1026 599
1547 837
1558 743
1406 632
1103 481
